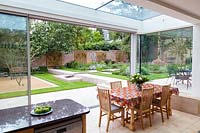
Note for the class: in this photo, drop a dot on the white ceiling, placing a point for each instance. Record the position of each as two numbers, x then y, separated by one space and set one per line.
191 7
187 10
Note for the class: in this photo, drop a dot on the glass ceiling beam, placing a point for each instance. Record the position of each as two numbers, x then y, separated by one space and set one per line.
104 5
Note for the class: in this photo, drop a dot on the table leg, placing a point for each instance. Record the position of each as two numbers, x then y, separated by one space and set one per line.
170 106
132 120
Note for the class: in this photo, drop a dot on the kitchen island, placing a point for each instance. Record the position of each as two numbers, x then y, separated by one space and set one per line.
67 116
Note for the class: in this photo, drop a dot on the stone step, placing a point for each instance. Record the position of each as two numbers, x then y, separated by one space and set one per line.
68 78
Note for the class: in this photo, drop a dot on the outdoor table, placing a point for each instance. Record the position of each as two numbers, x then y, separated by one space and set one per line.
183 75
130 96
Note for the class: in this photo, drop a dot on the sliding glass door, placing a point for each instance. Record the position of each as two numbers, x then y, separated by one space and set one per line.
13 61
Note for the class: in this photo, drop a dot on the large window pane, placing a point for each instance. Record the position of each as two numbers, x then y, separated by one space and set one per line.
13 60
168 55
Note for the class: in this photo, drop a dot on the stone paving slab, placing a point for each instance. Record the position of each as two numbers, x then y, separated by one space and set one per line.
85 96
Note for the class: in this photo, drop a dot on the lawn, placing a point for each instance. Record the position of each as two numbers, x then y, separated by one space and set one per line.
110 75
151 76
62 85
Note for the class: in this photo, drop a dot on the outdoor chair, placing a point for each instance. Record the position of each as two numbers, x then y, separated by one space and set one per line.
116 84
161 103
108 108
129 83
144 107
184 75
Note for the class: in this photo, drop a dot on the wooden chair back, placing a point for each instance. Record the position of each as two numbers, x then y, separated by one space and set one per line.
104 99
129 83
116 84
165 94
146 99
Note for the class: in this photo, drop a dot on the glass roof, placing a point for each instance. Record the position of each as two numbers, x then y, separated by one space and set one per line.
117 7
121 8
94 4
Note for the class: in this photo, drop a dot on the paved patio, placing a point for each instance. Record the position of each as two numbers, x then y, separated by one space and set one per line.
85 96
179 122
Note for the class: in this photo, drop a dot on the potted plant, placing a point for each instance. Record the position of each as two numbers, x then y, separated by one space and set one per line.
138 79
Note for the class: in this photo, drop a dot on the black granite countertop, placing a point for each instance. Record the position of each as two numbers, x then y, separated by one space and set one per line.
20 118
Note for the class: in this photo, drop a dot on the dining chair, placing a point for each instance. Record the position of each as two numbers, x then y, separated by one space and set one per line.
116 84
129 83
161 103
108 108
144 107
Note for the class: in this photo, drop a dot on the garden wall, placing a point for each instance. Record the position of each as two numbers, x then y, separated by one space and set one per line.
88 56
81 56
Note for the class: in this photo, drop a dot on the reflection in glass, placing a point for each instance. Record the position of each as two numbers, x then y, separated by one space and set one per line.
13 56
122 8
166 53
87 3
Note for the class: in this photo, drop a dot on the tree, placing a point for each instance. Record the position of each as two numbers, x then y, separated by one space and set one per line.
48 37
13 53
178 48
124 39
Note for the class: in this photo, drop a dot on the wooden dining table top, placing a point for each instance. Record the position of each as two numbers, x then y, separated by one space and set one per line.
126 95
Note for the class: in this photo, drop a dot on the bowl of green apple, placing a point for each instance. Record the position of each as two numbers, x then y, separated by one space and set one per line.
40 110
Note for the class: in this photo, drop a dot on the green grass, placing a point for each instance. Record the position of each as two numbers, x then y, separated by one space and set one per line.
62 85
151 76
13 94
157 76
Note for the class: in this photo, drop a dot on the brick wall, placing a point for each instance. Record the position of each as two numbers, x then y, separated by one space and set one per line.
83 56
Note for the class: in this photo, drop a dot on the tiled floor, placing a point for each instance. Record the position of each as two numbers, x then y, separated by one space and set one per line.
178 123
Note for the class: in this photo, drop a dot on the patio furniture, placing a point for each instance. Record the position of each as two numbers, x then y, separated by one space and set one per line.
17 72
144 108
161 104
3 74
130 96
108 108
128 83
116 84
184 75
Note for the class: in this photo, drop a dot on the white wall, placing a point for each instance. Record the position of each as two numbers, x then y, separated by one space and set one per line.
196 61
161 23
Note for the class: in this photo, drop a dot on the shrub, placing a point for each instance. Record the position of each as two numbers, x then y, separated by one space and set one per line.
172 68
40 69
114 66
144 71
99 69
117 72
43 69
155 68
72 64
125 70
101 66
188 60
108 61
4 69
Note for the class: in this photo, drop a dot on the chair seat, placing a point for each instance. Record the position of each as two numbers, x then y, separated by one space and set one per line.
115 108
156 102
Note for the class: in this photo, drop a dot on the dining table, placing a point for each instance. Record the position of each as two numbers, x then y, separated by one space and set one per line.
184 75
130 96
